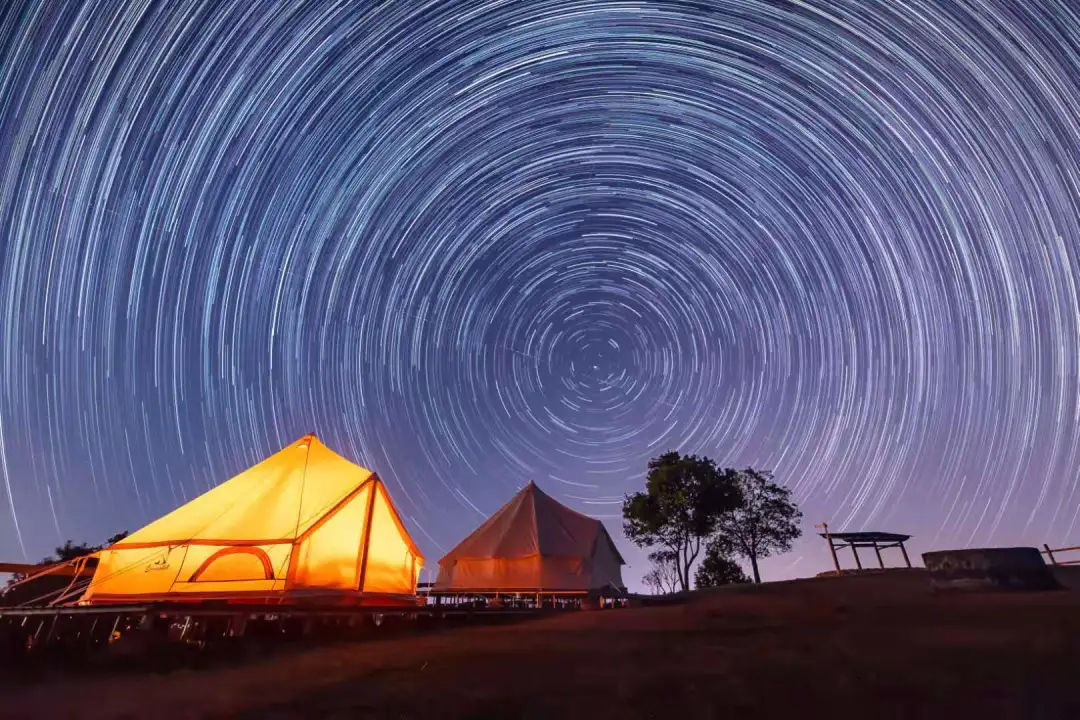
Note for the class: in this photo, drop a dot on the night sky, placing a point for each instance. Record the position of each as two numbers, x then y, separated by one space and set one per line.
475 243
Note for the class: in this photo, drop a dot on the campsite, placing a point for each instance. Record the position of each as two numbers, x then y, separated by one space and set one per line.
291 590
879 645
550 359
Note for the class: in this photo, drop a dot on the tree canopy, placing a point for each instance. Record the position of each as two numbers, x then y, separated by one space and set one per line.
765 522
70 551
684 499
663 577
718 569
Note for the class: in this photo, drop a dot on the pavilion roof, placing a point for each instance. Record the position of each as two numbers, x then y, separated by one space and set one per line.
868 537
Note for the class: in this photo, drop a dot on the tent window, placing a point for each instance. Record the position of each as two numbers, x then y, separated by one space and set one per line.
235 563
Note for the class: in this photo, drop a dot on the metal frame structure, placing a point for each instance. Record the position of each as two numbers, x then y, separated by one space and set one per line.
79 569
864 539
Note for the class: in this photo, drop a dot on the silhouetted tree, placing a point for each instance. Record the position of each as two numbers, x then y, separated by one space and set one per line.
684 498
718 569
663 576
766 521
653 582
114 539
70 551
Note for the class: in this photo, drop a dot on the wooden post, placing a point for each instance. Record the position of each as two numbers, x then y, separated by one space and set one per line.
187 624
37 633
880 562
1050 554
52 629
237 626
904 550
832 548
855 552
112 633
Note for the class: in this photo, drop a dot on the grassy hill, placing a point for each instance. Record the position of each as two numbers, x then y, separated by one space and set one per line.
873 646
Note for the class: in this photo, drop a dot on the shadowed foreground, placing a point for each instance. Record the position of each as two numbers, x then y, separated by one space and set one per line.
877 645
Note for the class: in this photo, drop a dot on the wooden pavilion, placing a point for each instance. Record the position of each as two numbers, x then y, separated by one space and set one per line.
864 539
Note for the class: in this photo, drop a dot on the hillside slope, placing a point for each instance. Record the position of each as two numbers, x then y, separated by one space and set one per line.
877 645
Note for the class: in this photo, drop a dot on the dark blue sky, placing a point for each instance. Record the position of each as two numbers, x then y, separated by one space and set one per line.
475 243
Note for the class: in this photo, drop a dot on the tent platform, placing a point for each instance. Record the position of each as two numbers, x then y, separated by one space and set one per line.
152 628
206 610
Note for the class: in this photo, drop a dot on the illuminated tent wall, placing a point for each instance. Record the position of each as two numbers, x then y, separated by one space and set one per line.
304 523
533 543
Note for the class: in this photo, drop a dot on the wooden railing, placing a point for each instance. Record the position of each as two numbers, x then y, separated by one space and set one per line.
1049 552
76 568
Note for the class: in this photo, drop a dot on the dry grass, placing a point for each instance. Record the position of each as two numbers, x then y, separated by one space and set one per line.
877 646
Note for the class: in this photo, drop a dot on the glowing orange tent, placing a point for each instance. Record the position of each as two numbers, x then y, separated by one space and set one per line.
533 544
303 524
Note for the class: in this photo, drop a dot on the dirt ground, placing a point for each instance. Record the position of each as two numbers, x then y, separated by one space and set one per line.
876 646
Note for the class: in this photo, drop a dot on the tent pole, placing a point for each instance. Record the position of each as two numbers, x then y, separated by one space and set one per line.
367 532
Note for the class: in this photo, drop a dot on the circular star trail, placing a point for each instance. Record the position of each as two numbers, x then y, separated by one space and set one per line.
474 243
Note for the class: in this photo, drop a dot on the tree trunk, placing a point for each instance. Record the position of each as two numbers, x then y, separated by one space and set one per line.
682 567
753 564
689 556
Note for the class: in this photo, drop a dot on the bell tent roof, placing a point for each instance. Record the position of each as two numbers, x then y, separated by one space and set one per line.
276 500
533 524
304 519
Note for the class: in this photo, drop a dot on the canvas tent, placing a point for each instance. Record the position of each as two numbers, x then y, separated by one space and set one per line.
303 524
533 544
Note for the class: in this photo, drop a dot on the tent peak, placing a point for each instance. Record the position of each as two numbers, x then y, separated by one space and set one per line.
307 440
531 489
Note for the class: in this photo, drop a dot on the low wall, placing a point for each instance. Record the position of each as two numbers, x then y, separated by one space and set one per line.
1067 575
1017 568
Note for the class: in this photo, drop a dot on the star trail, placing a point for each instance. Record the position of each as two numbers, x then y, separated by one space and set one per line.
475 243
